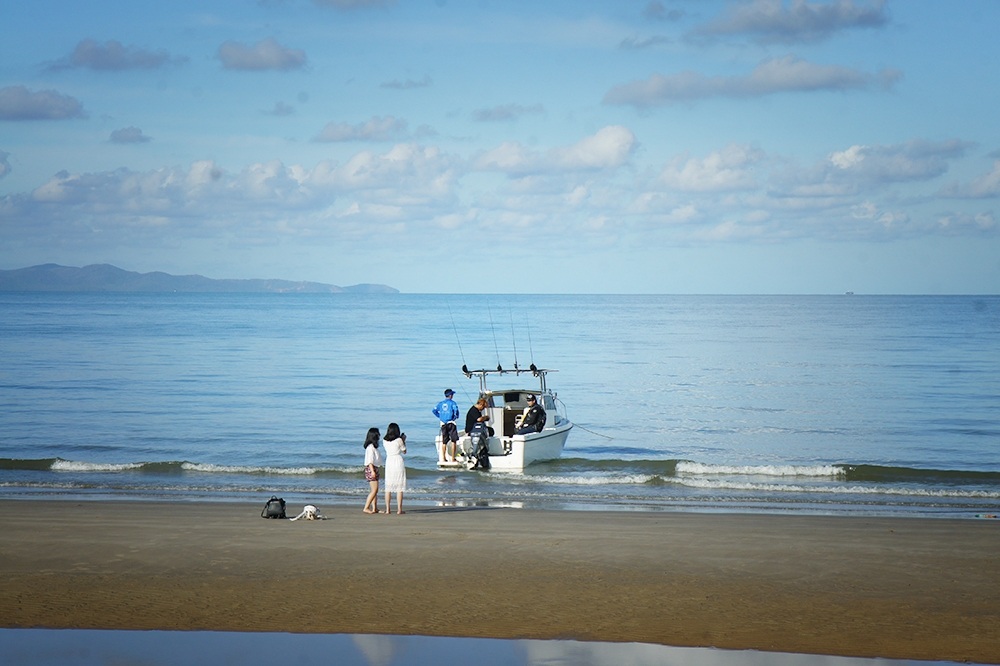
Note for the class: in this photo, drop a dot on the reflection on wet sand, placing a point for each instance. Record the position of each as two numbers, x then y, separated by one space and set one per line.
75 647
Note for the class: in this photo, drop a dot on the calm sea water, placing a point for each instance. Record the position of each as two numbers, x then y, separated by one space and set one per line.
825 404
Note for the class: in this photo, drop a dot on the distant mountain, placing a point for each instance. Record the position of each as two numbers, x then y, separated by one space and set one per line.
104 277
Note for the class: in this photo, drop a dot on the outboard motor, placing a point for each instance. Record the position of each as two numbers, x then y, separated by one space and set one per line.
480 447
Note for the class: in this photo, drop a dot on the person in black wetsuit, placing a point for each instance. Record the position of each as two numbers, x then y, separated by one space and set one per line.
534 420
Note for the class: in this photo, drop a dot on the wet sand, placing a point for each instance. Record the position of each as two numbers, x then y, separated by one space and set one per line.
876 587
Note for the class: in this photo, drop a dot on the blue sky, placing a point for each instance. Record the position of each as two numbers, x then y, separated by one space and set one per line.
665 146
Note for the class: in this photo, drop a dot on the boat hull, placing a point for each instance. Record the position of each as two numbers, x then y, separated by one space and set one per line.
505 409
513 453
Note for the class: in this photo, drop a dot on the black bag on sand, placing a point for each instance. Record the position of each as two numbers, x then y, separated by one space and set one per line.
275 508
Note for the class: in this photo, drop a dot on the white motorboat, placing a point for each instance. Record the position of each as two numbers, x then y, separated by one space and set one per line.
506 407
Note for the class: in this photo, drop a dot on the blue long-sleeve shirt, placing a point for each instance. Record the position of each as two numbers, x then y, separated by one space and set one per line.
446 410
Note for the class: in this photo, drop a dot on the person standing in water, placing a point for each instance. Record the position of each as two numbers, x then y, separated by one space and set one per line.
447 413
373 460
395 468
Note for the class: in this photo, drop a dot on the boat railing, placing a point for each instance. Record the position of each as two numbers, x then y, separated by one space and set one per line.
483 373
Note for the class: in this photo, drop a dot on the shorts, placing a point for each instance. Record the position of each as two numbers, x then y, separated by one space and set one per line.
449 432
371 473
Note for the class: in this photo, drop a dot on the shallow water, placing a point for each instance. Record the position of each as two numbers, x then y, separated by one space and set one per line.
822 404
49 647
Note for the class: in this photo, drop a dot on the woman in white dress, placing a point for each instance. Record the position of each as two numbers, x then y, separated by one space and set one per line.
373 460
395 470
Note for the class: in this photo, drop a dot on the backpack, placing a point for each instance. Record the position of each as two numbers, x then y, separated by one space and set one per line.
274 508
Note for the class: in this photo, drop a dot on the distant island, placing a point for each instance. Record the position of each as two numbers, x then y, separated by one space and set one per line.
105 277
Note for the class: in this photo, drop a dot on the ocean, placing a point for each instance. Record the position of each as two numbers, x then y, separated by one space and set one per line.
837 404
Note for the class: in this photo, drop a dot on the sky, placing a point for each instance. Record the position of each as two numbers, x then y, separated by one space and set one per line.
508 146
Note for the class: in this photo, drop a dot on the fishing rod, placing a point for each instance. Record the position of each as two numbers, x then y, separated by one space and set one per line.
493 328
457 339
531 349
513 338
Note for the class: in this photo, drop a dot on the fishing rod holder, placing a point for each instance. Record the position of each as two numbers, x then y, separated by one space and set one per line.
483 373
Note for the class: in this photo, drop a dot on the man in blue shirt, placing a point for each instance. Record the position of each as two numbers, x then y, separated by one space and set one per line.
447 413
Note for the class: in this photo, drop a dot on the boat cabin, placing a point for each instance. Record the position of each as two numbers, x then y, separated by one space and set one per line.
506 408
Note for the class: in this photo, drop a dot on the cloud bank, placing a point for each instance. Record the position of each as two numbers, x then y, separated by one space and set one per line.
777 75
774 21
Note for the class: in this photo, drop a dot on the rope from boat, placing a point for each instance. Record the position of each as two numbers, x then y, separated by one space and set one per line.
577 425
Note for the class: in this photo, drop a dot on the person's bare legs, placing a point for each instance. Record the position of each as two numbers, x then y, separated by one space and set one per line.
399 503
371 504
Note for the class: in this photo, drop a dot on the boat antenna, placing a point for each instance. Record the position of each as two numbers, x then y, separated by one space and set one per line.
457 339
513 338
495 346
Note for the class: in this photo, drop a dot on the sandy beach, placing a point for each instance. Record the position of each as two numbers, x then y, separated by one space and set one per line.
899 588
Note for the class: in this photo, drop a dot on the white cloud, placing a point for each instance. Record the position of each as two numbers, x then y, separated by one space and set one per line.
725 195
655 11
201 189
961 223
638 44
870 212
608 148
728 232
860 169
506 112
266 54
509 156
388 128
128 135
407 172
776 75
775 21
271 182
729 169
683 214
201 174
281 109
577 196
984 187
19 103
407 84
915 160
846 159
113 56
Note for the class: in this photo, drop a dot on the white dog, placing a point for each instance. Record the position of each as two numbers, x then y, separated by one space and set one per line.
310 512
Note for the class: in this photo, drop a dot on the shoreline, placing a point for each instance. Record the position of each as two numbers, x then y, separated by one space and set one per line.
902 588
425 502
